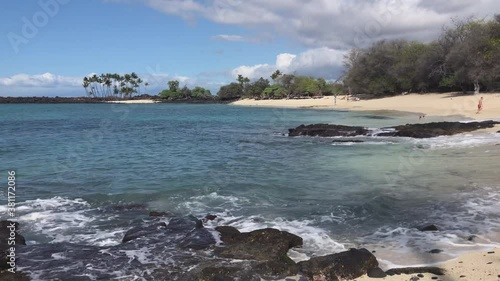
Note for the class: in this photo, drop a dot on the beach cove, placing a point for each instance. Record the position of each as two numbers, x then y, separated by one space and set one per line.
235 162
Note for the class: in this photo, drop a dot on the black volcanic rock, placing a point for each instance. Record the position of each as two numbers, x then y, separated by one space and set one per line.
327 130
435 251
427 130
347 141
415 270
264 244
198 239
142 231
429 227
436 129
159 214
341 266
9 229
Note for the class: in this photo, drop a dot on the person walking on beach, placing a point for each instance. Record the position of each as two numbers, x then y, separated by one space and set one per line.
480 105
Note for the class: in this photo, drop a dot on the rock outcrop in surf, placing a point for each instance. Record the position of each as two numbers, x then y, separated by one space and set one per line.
427 130
184 249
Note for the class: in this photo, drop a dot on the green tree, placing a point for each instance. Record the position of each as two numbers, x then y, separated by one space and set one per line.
230 92
173 85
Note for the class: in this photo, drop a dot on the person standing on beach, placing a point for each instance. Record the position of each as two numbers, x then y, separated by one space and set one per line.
480 105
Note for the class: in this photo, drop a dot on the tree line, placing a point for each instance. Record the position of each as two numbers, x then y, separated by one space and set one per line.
465 57
174 92
281 86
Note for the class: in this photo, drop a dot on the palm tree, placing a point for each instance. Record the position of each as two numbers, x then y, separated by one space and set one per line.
86 84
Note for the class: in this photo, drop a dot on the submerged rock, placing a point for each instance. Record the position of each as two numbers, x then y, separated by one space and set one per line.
326 130
430 227
142 231
342 266
347 141
159 214
9 238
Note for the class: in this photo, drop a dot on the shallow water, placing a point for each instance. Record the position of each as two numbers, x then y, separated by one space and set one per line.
77 164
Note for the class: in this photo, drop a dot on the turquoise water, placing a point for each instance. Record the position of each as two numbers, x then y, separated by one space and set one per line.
85 172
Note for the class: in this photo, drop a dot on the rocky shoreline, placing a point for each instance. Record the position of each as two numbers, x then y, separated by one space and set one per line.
184 249
426 130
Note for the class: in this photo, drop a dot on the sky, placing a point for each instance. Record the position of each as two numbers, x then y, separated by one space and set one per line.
48 46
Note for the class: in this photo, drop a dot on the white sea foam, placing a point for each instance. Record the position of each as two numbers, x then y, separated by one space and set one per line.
65 220
317 241
459 141
213 201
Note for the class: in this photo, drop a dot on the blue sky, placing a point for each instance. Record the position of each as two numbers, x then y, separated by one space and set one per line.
203 43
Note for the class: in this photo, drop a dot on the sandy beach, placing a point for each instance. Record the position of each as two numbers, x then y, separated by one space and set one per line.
473 266
429 104
133 101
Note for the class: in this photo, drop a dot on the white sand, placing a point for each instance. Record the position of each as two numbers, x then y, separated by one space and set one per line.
476 266
133 101
429 104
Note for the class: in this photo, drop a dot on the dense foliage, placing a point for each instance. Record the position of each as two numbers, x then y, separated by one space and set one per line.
465 57
175 93
281 86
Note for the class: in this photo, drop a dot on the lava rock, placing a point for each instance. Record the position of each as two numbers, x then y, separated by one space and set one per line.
8 228
198 239
18 276
327 130
415 270
210 217
5 232
376 273
435 129
435 251
159 214
345 265
426 130
347 141
142 231
430 227
263 245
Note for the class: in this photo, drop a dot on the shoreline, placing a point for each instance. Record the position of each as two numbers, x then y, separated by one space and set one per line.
470 266
446 104
143 101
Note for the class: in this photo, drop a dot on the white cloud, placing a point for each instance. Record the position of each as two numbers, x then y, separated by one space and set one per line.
46 80
336 24
231 38
320 62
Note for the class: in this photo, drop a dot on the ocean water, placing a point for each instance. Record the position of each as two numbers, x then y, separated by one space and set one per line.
86 172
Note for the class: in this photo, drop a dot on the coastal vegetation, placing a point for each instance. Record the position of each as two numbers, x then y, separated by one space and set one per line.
465 57
174 92
281 86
